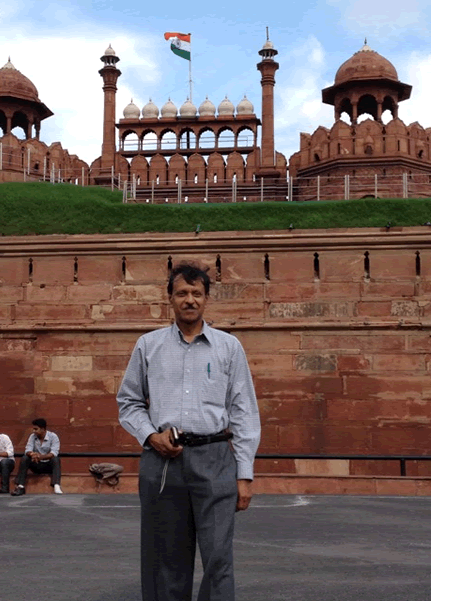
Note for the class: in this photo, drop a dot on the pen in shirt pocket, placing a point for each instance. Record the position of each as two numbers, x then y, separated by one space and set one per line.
208 370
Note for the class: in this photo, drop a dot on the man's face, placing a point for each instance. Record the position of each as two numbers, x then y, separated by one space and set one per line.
188 300
40 432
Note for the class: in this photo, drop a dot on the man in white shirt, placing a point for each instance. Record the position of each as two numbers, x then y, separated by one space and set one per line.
6 461
41 457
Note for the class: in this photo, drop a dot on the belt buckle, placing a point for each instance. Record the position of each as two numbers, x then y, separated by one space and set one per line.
185 438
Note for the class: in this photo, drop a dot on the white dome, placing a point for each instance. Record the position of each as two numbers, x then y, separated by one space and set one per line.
150 110
169 110
131 111
268 45
109 51
207 108
188 109
9 65
245 107
226 107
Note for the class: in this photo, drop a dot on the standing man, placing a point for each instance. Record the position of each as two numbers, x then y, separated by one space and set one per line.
6 461
192 381
41 457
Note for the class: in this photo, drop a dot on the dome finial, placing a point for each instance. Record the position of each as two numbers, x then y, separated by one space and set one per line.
267 33
9 65
365 42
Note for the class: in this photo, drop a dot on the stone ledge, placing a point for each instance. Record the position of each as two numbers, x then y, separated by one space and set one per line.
263 484
418 237
30 327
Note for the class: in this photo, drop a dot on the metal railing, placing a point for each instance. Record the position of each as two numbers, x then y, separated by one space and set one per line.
205 142
277 456
224 187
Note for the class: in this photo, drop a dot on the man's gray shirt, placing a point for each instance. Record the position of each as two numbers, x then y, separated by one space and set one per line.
201 387
50 444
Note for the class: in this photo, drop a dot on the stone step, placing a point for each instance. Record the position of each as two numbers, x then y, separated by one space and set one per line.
263 484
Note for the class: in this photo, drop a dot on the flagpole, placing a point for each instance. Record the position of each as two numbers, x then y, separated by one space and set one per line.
190 80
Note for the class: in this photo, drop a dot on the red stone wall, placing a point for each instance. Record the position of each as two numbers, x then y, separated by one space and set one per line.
338 346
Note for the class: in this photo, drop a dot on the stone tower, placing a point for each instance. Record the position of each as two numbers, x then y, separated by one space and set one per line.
366 83
367 157
110 74
268 67
19 103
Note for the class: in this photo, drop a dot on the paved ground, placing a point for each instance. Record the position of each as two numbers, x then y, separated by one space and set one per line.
320 548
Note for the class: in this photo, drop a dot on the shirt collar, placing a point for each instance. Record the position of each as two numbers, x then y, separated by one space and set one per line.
204 333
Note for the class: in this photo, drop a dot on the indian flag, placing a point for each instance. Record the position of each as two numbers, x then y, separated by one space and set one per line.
180 44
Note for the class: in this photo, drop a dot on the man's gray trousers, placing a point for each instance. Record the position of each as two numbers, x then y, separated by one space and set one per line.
192 496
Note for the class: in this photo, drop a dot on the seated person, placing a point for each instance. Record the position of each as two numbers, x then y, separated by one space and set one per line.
41 457
6 461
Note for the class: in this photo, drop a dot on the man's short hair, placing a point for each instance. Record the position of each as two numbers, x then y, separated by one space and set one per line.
40 423
190 273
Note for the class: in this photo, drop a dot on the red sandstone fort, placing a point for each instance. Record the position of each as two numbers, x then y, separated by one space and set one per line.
210 153
335 323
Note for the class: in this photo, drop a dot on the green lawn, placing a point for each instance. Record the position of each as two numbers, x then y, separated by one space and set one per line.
43 208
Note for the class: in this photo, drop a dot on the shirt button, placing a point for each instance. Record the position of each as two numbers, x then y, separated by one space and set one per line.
186 412
187 391
187 371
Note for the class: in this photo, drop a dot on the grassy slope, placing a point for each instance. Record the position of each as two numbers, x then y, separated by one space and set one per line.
40 208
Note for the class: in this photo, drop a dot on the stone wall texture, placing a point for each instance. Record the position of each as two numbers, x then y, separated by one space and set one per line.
335 324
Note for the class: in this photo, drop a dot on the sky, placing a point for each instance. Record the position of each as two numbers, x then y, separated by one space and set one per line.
58 46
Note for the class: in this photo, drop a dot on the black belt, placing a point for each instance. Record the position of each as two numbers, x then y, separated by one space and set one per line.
189 439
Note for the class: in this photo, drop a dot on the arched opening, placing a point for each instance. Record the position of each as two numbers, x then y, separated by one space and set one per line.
169 140
226 138
366 107
245 137
130 141
3 122
150 141
388 109
207 139
187 139
19 125
345 110
316 157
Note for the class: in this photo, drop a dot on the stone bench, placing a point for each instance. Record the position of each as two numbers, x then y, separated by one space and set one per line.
82 483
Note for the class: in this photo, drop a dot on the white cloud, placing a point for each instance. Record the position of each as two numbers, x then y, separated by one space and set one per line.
417 70
382 21
298 105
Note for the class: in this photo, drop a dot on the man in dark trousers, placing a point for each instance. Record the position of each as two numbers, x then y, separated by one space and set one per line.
6 461
41 457
186 392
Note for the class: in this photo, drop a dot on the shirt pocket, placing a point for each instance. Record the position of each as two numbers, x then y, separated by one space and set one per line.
214 385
